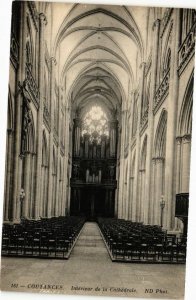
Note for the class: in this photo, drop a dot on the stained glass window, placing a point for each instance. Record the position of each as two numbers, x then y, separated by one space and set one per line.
95 123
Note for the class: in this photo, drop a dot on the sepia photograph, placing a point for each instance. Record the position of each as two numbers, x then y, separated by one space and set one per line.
98 150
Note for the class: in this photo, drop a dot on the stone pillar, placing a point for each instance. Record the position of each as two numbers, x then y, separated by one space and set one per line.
17 161
130 198
142 193
137 159
51 139
42 23
149 179
186 151
153 192
26 184
58 192
65 162
159 188
139 179
178 172
170 162
178 164
8 173
120 166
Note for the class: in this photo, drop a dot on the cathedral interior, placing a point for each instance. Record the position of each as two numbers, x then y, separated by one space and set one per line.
99 117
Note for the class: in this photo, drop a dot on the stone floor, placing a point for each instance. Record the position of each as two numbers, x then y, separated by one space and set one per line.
90 271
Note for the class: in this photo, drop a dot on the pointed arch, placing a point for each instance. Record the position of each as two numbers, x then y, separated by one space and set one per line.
143 154
44 149
10 120
160 136
28 131
183 141
185 117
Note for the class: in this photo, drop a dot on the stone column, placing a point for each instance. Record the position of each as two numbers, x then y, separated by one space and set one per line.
159 188
42 23
27 173
149 165
186 151
178 172
51 139
17 160
65 161
153 192
137 158
139 194
142 193
178 163
8 173
58 192
170 162
120 166
130 198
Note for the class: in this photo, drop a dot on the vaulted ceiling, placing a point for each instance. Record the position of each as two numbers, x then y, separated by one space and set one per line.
98 49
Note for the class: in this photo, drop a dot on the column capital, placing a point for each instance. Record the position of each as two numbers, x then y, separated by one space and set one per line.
156 24
179 140
10 131
157 159
142 65
113 123
53 60
160 159
43 18
186 138
77 122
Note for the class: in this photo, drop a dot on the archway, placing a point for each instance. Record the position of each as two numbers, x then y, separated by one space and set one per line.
158 170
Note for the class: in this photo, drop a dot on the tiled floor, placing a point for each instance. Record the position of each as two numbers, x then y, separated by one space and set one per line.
90 268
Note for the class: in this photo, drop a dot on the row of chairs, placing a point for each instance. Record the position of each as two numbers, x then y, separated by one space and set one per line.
132 241
52 237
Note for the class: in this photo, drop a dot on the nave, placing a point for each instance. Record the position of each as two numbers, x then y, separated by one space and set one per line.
90 267
99 126
126 241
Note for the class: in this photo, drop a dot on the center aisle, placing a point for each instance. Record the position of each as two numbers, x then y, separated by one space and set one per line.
90 271
90 244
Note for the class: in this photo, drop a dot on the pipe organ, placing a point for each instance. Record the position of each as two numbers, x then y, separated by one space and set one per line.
93 180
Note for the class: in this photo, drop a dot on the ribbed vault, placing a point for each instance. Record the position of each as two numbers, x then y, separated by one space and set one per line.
99 50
